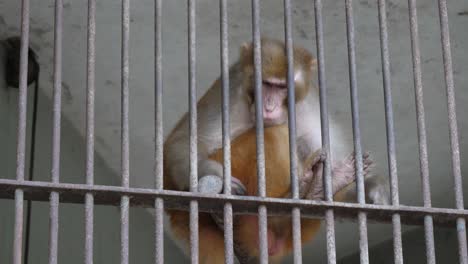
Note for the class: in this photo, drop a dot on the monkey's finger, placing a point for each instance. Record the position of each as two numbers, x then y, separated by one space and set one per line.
305 183
366 154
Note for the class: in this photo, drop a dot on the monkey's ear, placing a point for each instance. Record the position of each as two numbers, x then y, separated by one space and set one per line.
246 53
245 49
313 64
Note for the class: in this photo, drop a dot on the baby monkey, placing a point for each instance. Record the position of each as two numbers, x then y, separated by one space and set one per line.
278 185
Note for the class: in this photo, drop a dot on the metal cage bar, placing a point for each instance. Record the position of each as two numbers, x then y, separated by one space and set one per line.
125 137
226 130
178 200
159 133
327 184
391 152
362 217
21 133
57 105
453 128
90 93
193 129
296 213
422 141
262 210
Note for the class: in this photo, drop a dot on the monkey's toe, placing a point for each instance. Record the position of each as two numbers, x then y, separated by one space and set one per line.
237 188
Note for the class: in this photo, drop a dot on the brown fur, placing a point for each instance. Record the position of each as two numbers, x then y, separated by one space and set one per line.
243 162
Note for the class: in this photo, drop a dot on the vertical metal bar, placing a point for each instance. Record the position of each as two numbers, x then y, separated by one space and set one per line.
124 205
193 130
57 102
159 204
329 215
397 244
228 224
296 213
21 132
262 211
453 127
90 91
423 156
291 99
362 216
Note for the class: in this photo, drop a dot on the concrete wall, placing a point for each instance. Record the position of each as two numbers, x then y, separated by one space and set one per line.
71 221
414 249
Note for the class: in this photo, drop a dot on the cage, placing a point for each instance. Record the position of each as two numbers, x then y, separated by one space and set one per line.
81 153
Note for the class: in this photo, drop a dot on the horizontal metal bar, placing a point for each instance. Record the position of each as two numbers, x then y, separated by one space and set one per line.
111 195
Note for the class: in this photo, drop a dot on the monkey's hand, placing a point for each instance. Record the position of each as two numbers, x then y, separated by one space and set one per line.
237 188
344 174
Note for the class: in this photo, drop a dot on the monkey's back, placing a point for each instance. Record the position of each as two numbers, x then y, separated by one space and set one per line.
244 160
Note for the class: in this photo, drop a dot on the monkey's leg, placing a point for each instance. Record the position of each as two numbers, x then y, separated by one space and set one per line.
237 188
211 239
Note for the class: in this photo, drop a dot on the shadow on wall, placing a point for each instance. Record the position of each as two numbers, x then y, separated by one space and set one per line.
71 221
414 248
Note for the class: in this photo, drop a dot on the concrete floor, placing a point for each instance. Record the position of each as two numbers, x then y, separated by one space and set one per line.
175 101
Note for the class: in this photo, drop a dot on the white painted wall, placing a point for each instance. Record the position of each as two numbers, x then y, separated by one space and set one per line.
175 97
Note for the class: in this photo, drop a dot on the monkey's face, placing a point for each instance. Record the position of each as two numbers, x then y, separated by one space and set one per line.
274 79
274 97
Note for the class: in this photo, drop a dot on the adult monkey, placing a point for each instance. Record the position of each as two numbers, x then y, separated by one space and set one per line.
242 112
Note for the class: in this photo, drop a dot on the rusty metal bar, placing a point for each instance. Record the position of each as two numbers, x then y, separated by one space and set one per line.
422 140
453 127
226 130
159 184
125 137
194 243
328 193
362 218
21 133
57 105
141 197
392 163
262 210
296 213
90 93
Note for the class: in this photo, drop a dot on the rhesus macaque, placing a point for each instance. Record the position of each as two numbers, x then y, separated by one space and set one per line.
242 110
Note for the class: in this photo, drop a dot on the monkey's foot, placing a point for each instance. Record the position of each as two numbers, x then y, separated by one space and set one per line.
345 172
306 180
